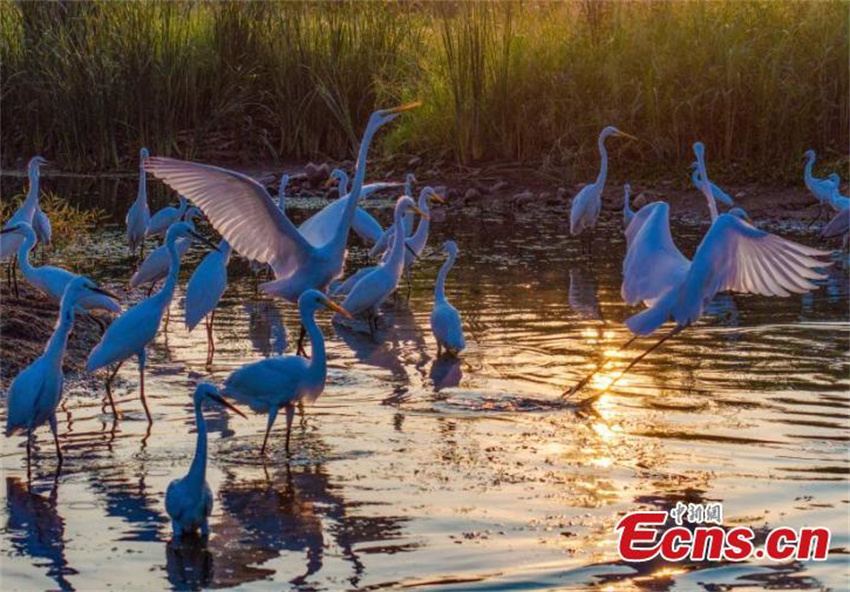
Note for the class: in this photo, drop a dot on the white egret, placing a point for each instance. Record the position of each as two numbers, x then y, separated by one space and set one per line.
320 227
281 193
373 288
586 205
733 256
628 212
130 333
155 266
189 501
839 226
35 393
10 243
139 215
717 193
205 289
821 189
53 281
164 218
386 238
41 226
445 319
837 201
283 381
241 210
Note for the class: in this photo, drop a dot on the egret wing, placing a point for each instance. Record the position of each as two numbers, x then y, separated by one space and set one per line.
736 256
240 209
653 263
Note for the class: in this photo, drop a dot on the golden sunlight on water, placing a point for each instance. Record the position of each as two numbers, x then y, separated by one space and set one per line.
411 471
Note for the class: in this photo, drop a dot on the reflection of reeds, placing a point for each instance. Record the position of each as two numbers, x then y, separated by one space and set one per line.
759 82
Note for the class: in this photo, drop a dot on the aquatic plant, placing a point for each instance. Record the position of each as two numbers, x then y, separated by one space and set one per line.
70 224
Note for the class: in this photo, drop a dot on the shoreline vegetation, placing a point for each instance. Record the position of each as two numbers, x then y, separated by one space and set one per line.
229 82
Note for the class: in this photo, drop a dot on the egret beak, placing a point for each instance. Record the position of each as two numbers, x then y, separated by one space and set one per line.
331 182
625 135
402 108
424 215
412 252
10 229
337 309
438 198
107 293
203 240
222 401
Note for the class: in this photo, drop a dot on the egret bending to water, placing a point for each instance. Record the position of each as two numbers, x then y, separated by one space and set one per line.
733 256
156 264
445 319
164 218
587 204
130 333
54 281
206 287
717 193
374 287
35 393
189 501
139 215
10 243
277 382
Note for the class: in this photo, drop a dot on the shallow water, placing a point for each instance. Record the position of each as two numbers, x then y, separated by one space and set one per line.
472 474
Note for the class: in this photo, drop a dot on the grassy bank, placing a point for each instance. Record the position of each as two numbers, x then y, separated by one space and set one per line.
758 82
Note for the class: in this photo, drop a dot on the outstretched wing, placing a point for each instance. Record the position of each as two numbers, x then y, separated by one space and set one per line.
240 209
738 257
653 263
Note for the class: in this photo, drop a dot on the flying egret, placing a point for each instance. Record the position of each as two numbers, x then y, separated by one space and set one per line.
320 227
374 287
628 212
206 287
155 266
54 281
139 215
445 319
10 243
189 501
283 381
733 256
588 202
130 333
717 193
164 218
386 238
241 210
35 393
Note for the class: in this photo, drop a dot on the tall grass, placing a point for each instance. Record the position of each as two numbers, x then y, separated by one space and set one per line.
758 81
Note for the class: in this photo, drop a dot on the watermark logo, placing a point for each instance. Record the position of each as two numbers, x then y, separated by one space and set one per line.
695 533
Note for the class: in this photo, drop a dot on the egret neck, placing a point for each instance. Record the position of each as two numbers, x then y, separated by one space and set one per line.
440 287
603 166
197 475
317 367
55 349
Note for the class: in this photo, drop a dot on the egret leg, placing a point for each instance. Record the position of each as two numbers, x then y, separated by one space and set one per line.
109 381
167 316
272 417
581 384
409 283
54 429
210 340
290 415
301 351
142 385
15 276
29 454
150 290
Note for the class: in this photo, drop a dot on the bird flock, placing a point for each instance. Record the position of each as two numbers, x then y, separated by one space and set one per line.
308 267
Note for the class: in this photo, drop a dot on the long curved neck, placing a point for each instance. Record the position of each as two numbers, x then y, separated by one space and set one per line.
166 293
32 194
143 185
808 170
341 235
24 254
396 256
318 362
603 165
440 287
198 470
343 184
55 349
705 186
421 233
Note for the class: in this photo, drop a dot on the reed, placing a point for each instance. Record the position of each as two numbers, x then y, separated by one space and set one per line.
758 81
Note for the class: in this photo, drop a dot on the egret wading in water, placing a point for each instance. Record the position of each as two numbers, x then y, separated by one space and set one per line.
139 215
586 205
10 243
839 226
156 265
205 289
282 381
43 229
733 256
189 501
240 209
164 218
35 393
130 333
445 319
53 281
375 286
386 238
821 189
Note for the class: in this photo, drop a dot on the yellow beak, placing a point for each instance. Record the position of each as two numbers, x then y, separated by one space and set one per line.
331 182
438 198
403 108
625 135
338 309
420 212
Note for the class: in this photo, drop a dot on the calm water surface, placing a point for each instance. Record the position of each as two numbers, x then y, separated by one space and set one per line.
412 472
